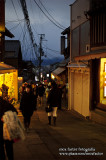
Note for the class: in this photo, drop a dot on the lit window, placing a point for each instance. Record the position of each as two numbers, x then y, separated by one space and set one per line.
105 80
105 67
104 91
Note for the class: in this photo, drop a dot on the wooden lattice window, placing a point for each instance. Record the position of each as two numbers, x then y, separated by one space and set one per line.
98 33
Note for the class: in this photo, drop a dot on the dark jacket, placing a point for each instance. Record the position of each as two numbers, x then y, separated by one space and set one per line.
53 97
28 104
41 90
4 106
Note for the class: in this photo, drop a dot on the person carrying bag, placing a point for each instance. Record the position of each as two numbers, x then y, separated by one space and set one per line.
52 101
6 141
12 127
48 109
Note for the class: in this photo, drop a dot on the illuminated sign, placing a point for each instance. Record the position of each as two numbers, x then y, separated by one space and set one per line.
2 16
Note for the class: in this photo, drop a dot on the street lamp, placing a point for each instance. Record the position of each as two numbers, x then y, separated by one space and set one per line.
47 75
41 75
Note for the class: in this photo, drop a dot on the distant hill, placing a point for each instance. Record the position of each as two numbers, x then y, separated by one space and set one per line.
49 61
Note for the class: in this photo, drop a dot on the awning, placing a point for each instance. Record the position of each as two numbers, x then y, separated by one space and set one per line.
58 71
79 67
91 56
6 68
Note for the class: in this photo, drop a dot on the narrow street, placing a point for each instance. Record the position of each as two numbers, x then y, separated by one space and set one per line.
71 135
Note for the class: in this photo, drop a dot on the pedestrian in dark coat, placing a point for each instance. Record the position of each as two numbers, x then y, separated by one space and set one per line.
28 105
5 106
60 96
53 102
41 91
35 90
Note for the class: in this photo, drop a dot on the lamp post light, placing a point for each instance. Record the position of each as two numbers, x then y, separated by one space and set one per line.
47 75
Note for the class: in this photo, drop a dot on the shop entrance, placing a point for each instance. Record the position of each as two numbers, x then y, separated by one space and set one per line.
95 83
103 81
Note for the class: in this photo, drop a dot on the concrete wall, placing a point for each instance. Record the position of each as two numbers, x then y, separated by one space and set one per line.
77 12
80 40
80 29
84 37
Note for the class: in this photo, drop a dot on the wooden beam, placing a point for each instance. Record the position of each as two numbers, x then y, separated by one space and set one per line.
90 56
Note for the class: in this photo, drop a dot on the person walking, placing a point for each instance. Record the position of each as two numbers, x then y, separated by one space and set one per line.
47 90
52 101
35 90
5 145
28 105
41 91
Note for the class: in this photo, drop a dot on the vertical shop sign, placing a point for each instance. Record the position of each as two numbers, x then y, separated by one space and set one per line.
2 15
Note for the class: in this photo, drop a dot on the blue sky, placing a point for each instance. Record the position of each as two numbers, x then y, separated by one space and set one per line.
58 9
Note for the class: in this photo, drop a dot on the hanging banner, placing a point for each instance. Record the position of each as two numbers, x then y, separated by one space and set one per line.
2 15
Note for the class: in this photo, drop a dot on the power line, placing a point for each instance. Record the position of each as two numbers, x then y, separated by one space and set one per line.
51 50
26 45
52 55
25 12
15 10
19 23
17 15
25 42
19 20
48 16
14 27
51 16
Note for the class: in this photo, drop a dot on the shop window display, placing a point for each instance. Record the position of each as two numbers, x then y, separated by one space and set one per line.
105 80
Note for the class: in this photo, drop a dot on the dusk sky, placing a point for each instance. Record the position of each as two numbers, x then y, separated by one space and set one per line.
57 10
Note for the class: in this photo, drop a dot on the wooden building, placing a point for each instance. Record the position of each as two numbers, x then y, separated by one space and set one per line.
87 68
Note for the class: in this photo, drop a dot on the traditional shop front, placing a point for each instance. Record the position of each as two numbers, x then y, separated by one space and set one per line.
103 82
87 86
79 83
97 64
8 81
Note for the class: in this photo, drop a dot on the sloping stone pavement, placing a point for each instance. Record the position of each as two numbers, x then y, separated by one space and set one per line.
71 134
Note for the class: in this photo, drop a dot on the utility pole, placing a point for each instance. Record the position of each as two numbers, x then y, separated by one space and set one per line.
26 15
41 54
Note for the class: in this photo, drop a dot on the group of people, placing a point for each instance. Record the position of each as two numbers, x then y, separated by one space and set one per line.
28 104
31 93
